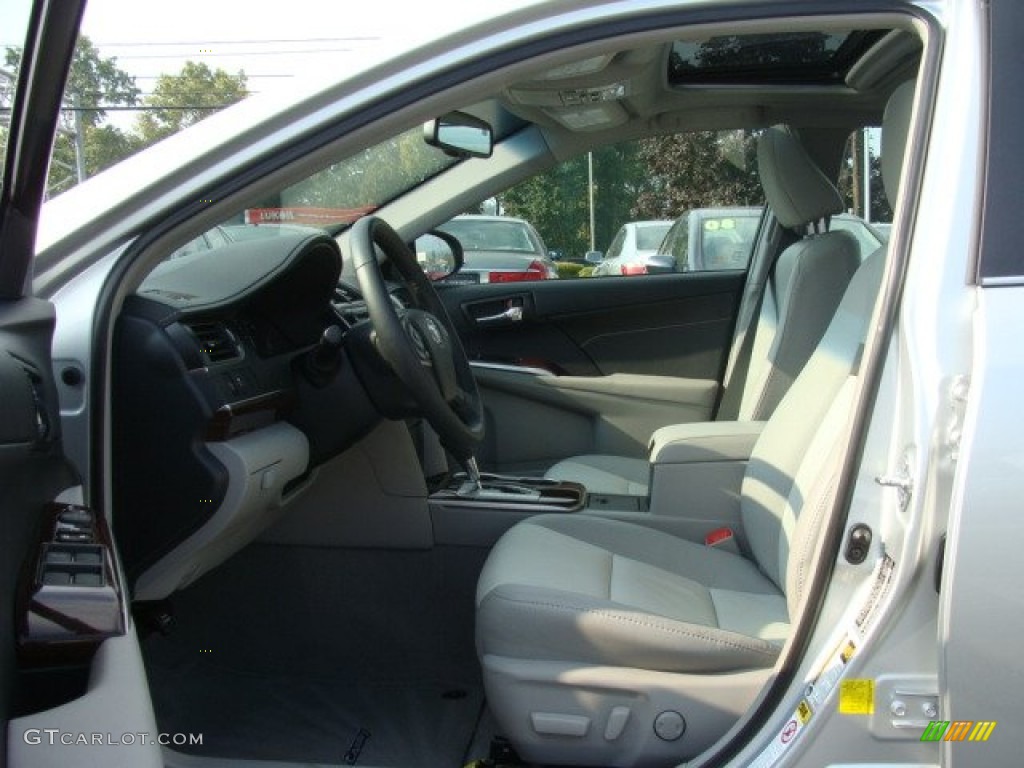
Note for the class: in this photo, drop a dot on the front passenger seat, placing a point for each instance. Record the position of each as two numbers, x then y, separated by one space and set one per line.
605 642
800 297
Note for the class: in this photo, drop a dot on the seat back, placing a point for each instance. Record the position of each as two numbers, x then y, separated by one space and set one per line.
795 466
807 282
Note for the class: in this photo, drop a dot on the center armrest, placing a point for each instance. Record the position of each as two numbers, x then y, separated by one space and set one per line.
706 441
697 474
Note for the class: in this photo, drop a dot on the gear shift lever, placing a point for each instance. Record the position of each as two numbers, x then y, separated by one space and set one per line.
473 473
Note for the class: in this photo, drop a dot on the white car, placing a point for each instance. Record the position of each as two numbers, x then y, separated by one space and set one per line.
630 249
287 502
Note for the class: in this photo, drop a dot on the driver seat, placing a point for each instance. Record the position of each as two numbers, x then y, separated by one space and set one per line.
609 642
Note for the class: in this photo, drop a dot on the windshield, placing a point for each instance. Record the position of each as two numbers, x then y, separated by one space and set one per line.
649 236
360 184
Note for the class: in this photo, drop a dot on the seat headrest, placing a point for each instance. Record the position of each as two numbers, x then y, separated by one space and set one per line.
895 126
795 188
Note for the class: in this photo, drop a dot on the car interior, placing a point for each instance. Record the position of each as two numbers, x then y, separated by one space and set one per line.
366 517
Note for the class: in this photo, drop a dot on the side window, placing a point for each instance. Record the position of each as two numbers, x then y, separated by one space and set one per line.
868 215
676 203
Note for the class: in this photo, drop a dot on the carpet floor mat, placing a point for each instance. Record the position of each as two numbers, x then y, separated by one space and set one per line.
322 720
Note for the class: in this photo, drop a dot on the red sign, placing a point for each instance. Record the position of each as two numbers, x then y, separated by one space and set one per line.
789 732
316 217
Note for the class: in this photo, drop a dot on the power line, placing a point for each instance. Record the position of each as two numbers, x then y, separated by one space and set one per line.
178 77
236 54
144 108
355 38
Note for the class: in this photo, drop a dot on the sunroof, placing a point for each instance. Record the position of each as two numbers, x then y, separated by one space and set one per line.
780 57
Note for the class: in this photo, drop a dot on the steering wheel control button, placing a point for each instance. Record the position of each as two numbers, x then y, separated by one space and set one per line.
616 724
552 724
669 725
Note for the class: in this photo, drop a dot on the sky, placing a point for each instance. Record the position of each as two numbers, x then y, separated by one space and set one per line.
273 41
276 43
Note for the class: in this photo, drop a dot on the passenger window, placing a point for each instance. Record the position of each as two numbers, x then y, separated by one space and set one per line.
669 204
868 216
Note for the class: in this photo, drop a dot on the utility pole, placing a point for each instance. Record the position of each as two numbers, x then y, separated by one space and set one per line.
855 168
590 197
79 140
867 176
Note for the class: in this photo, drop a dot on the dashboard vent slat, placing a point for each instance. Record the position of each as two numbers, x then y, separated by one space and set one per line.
216 342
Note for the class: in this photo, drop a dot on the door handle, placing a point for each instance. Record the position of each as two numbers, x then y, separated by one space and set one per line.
510 315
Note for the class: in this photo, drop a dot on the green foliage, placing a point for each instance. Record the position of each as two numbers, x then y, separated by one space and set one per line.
194 93
556 202
568 269
94 82
586 272
656 178
696 170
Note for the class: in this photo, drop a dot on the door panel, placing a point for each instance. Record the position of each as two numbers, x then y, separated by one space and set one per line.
628 355
667 325
536 420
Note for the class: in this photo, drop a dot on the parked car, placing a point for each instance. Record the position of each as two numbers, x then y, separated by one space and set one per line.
705 239
631 250
242 514
500 249
711 238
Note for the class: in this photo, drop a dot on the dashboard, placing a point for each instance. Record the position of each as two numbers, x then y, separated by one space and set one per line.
221 404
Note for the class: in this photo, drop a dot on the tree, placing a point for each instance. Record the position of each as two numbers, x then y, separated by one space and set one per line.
94 84
181 100
696 170
556 202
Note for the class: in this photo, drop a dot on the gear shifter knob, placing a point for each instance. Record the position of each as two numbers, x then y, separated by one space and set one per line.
325 358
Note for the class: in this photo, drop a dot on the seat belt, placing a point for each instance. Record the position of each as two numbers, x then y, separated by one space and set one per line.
736 377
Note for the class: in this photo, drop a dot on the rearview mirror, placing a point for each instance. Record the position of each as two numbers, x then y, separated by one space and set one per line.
460 135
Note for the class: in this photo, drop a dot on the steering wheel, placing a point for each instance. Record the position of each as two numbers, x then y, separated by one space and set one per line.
419 344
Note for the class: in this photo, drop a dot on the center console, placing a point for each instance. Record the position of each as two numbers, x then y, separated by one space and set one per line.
474 509
532 495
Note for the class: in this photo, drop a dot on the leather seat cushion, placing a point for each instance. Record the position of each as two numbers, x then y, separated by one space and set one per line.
610 475
599 591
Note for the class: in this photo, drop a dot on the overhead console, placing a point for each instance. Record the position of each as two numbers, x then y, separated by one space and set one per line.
216 406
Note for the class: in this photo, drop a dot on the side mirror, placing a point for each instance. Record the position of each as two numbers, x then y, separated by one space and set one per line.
660 264
555 255
593 257
439 254
460 135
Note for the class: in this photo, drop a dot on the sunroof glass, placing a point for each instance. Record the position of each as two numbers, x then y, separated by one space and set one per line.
787 57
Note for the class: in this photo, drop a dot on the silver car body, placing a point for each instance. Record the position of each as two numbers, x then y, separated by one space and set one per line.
942 425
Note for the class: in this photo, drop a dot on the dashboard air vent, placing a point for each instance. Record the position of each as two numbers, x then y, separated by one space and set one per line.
216 341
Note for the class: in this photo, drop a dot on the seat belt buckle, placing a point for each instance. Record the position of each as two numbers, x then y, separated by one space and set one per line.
722 538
